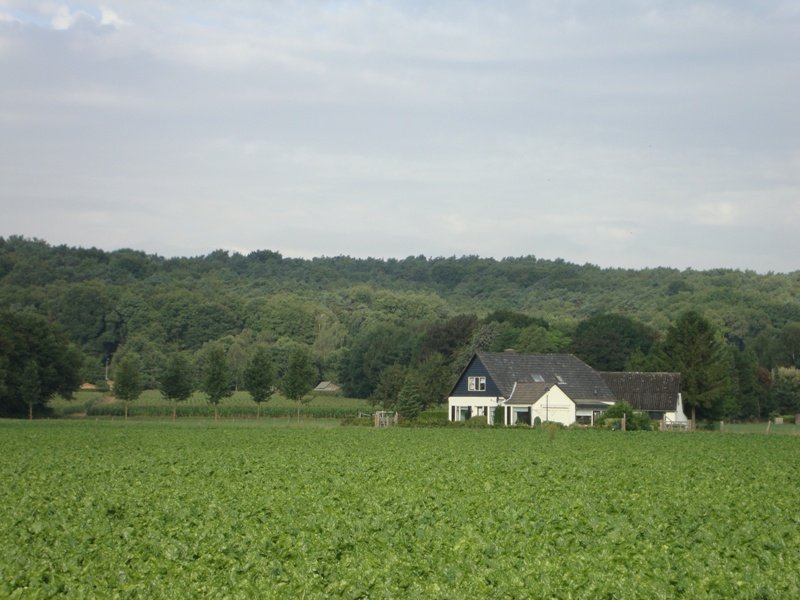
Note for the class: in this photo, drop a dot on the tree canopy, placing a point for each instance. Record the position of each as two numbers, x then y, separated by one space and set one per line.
176 381
215 382
694 348
36 362
356 318
300 377
259 376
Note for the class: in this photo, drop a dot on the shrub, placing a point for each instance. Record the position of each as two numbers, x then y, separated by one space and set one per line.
634 421
478 421
435 417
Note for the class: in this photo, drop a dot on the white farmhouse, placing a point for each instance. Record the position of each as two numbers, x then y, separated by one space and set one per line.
526 388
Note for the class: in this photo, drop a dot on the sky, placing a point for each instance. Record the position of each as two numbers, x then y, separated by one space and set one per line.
629 133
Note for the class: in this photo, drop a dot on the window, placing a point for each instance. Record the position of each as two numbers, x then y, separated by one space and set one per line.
560 379
537 378
476 384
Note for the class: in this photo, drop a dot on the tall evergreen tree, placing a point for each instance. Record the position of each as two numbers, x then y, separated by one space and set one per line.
694 348
410 399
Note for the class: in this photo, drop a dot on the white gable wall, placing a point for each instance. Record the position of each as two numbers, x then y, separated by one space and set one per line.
554 406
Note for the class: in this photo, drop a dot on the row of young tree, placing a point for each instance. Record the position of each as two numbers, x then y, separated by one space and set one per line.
180 378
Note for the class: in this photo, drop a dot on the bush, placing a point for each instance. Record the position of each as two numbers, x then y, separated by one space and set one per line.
499 417
434 417
476 422
634 421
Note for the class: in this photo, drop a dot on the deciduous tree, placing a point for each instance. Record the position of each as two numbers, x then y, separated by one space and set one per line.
299 378
128 380
176 381
36 361
607 341
389 386
214 383
259 377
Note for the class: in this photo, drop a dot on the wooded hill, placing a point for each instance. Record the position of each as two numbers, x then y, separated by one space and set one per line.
359 317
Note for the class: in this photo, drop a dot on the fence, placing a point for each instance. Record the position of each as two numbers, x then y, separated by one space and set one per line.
384 419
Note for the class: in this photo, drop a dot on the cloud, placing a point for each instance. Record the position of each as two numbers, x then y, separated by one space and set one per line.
110 18
716 214
595 132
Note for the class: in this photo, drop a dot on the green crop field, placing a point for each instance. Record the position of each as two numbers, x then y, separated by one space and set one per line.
198 509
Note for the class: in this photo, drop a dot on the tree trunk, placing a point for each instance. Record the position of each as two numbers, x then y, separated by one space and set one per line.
30 411
126 410
694 423
216 413
298 410
174 409
258 411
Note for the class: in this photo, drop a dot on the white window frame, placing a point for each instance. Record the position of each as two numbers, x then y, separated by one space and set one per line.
476 383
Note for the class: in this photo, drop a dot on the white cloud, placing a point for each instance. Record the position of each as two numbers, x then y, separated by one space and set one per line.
111 18
595 132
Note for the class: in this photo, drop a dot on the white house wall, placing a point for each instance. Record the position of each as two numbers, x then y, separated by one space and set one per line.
554 406
476 403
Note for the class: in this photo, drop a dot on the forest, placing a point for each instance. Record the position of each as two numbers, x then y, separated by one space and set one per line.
392 330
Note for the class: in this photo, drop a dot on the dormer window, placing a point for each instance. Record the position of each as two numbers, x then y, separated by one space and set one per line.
476 384
560 380
537 378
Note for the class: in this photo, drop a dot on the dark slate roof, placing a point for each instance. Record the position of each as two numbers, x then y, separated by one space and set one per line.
528 393
578 380
646 391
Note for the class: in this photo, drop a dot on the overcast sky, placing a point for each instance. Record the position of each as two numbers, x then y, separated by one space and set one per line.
624 133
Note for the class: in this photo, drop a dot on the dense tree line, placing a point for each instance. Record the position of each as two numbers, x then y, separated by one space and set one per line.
396 331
